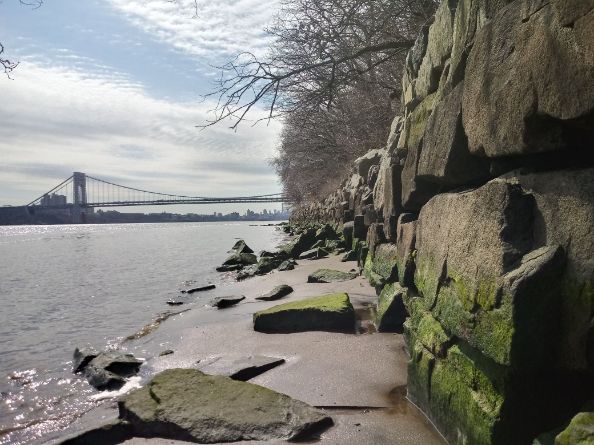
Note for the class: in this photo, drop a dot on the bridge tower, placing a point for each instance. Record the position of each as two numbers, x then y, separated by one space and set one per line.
79 197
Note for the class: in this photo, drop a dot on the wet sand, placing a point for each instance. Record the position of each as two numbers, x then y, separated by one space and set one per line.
360 379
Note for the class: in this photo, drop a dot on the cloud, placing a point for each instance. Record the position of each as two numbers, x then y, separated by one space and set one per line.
58 119
222 28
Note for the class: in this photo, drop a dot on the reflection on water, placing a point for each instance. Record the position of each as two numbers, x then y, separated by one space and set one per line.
67 286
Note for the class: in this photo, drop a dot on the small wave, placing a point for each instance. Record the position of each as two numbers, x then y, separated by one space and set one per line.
131 383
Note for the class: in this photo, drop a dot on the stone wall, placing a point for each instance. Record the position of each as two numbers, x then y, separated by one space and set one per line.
477 218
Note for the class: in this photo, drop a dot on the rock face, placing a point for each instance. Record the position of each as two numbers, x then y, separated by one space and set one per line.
186 404
529 80
325 313
330 276
483 210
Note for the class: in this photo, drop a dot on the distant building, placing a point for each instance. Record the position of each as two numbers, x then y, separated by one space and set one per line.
54 200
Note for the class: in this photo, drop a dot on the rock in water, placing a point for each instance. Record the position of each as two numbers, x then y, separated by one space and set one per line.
108 370
82 357
277 293
330 276
241 247
332 312
187 404
239 368
223 302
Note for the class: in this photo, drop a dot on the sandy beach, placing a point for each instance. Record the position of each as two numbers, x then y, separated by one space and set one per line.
358 379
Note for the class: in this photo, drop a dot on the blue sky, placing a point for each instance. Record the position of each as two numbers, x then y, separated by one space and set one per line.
112 88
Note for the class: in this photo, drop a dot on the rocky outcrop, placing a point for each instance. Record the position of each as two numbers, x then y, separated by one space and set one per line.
481 218
325 313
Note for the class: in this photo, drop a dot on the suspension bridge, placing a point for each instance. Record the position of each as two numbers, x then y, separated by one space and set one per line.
80 193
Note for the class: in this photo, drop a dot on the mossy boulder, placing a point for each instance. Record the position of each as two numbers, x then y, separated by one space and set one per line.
186 404
303 242
332 312
314 254
580 431
391 313
243 259
330 276
267 264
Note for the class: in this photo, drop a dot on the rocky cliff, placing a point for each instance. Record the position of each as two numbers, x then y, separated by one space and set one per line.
477 220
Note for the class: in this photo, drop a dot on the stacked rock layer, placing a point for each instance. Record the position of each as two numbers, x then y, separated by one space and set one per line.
481 208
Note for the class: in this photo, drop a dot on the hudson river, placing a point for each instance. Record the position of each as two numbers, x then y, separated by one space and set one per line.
68 286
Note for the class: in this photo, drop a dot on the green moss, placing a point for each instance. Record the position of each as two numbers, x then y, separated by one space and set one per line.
464 403
332 302
420 368
580 431
426 281
432 336
330 276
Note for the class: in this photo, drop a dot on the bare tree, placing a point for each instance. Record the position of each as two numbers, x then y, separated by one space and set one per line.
320 47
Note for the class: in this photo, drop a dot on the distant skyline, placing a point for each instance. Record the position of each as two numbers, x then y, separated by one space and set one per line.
112 88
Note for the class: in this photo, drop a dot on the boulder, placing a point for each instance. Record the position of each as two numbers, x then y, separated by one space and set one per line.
82 357
330 276
243 259
391 313
351 255
302 243
363 164
225 302
325 313
580 430
186 404
247 272
267 264
314 254
239 368
375 237
241 247
277 293
326 232
444 157
522 76
287 265
109 370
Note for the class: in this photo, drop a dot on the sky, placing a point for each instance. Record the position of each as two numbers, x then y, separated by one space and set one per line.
113 88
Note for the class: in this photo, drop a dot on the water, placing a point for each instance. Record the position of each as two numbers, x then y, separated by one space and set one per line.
66 286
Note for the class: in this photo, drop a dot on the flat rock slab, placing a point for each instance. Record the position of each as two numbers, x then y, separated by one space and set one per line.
239 368
333 313
199 289
277 293
330 276
224 302
189 405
